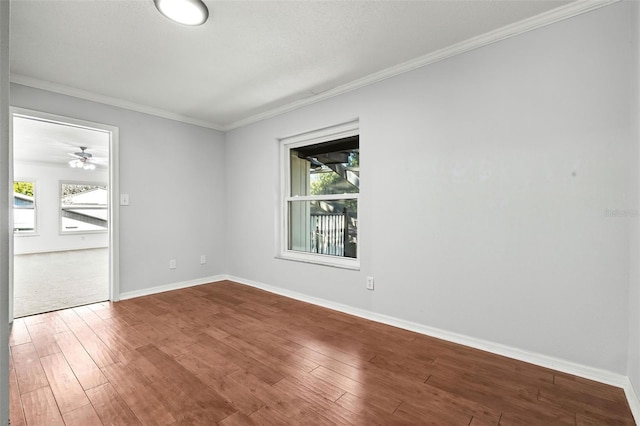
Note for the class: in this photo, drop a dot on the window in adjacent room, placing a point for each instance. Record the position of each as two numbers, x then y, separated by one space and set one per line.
321 185
83 207
24 207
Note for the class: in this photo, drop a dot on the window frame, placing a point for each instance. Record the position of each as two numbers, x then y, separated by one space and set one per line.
36 191
327 134
61 230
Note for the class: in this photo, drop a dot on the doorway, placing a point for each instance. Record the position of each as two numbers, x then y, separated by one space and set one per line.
64 247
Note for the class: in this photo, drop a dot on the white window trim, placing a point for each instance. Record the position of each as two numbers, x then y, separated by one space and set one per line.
326 134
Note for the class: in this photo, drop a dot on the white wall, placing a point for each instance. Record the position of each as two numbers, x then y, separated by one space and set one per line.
47 236
485 183
174 175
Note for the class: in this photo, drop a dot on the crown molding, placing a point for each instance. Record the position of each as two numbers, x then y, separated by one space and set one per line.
567 11
546 18
108 100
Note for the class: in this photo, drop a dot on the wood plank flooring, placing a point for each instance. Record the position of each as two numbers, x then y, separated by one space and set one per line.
228 354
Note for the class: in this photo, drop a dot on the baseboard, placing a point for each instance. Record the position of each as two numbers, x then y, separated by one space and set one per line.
56 250
558 364
633 398
171 286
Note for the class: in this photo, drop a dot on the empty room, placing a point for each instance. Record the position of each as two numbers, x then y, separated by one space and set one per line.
264 259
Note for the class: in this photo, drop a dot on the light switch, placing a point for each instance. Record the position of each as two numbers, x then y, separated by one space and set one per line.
124 199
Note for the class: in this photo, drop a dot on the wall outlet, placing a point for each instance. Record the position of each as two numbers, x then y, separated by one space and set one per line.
172 264
369 283
203 259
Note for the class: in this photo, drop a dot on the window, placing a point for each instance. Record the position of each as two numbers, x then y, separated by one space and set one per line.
321 186
24 207
83 207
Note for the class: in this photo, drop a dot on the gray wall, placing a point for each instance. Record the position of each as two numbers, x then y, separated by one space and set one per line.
174 175
634 289
488 185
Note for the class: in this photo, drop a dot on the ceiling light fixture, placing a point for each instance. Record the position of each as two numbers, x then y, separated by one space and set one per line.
82 160
187 12
81 164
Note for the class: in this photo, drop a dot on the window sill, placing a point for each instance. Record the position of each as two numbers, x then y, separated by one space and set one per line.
322 260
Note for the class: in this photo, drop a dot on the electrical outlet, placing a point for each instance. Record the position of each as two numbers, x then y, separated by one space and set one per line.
172 264
203 259
369 283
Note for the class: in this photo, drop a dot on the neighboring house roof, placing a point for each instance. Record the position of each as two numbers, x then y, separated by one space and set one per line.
88 206
20 200
92 196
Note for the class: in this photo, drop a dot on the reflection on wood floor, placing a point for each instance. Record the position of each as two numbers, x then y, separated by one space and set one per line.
230 354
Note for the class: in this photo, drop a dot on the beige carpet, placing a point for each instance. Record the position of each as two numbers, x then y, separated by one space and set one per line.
50 281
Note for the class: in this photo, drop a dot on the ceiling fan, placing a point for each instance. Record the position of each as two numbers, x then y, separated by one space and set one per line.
82 160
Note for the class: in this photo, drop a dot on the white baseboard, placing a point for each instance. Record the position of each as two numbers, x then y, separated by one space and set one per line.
45 250
172 286
558 364
633 398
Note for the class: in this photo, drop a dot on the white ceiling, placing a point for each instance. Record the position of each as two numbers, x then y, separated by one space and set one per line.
251 59
46 142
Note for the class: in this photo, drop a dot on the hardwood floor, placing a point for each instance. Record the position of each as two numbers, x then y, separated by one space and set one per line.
229 354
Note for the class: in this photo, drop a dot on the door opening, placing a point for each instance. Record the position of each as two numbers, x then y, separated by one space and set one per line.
65 247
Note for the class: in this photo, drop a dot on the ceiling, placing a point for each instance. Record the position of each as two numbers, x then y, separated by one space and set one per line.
252 59
46 142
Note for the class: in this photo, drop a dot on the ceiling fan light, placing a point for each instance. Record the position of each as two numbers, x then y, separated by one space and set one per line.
187 12
83 160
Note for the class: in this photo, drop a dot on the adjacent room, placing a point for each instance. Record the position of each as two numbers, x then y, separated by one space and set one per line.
60 220
269 262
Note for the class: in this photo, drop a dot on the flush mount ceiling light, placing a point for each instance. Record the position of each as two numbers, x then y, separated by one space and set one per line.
187 12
